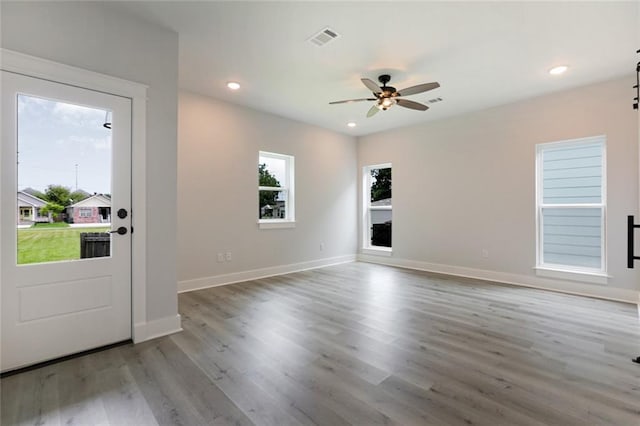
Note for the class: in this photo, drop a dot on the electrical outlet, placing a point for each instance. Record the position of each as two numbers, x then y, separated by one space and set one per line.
228 256
321 246
485 253
220 257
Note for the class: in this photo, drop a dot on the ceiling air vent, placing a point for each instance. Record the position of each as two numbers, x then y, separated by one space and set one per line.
434 100
324 37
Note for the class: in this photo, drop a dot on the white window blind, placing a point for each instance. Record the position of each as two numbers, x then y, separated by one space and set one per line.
571 204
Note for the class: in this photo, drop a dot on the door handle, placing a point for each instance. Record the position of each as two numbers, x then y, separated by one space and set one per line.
631 227
120 231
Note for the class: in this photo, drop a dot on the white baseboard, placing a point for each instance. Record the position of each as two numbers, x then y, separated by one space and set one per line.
254 274
577 288
156 328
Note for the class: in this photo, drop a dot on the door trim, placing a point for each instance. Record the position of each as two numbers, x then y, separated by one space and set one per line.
32 66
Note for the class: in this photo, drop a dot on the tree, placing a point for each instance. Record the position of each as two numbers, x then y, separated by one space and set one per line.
381 186
58 194
53 208
265 178
78 195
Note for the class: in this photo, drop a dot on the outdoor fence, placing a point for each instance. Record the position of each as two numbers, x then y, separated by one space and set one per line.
95 244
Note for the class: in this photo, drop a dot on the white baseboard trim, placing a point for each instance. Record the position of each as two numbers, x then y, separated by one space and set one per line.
156 328
576 288
254 274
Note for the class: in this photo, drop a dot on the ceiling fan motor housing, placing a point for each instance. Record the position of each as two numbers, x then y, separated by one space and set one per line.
384 79
386 90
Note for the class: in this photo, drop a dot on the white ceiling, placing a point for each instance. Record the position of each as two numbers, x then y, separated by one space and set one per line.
482 54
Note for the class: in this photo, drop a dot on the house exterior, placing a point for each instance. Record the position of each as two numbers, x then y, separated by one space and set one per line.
29 207
381 223
381 216
276 211
95 209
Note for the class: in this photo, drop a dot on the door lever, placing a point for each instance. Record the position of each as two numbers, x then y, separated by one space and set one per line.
631 227
120 231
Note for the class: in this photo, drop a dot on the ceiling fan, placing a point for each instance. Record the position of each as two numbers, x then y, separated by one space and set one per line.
387 96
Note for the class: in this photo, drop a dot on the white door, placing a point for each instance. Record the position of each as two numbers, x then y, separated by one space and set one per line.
61 296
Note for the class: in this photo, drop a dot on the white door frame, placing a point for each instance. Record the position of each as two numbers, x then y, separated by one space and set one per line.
32 66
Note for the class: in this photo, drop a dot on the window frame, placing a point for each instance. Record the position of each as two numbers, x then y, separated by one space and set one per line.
288 187
367 248
85 212
571 272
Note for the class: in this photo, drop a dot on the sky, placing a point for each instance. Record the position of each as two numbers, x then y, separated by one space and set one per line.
55 136
276 167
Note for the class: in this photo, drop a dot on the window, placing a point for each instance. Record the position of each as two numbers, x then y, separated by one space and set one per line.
571 207
377 209
85 212
275 190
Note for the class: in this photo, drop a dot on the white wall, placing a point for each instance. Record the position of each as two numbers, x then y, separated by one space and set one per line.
467 183
92 36
218 200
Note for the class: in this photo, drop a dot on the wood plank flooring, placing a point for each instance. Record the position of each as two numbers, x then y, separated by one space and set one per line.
357 344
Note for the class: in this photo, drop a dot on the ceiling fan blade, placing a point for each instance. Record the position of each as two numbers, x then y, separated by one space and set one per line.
411 104
418 89
371 85
352 100
374 109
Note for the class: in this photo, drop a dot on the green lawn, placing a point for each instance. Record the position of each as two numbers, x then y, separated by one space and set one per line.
50 225
50 244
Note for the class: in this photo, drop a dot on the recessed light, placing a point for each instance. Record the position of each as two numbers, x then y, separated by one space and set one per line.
558 70
233 85
351 124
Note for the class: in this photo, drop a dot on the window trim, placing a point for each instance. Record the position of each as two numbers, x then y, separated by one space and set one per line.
552 270
366 247
288 186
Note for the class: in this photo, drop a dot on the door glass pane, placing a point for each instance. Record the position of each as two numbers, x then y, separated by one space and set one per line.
64 181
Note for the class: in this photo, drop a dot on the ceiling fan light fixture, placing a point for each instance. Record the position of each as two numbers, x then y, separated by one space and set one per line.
351 124
233 85
386 103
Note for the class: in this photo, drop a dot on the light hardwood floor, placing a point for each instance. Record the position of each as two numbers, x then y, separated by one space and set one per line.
356 344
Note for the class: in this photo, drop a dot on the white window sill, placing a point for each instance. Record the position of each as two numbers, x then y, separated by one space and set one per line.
377 251
276 224
572 275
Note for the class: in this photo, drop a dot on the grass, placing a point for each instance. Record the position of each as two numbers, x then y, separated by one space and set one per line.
50 243
50 225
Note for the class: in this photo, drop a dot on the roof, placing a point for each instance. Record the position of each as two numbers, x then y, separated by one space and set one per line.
25 199
383 202
97 200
